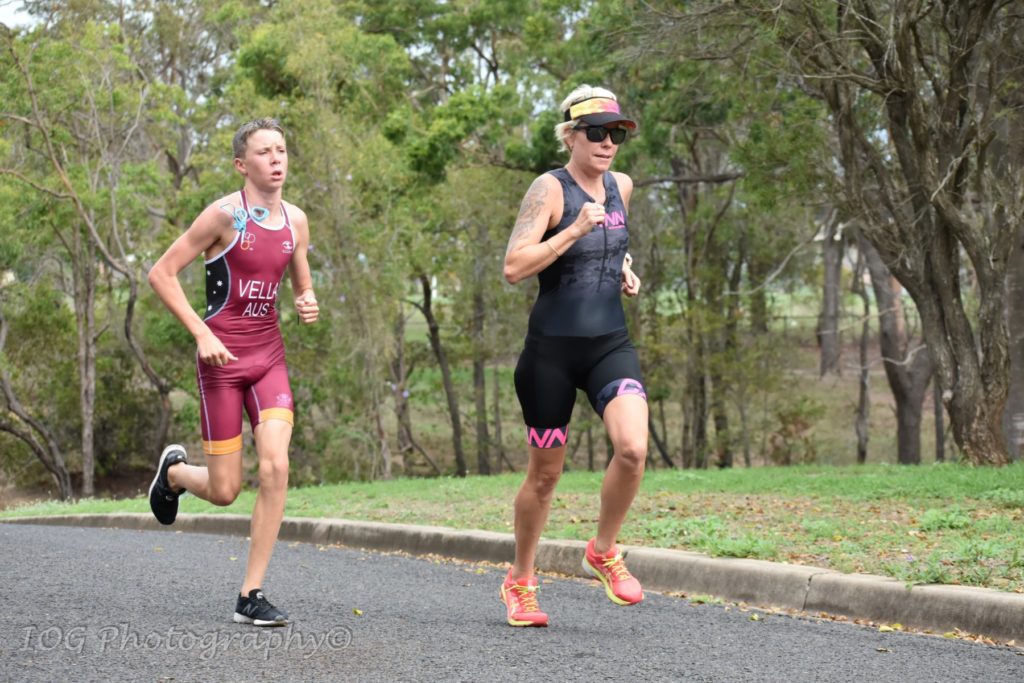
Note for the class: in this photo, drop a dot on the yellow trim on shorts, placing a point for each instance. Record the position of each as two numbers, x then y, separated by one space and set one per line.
277 414
223 447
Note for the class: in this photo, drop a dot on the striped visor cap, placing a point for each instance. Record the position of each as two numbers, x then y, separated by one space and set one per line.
598 111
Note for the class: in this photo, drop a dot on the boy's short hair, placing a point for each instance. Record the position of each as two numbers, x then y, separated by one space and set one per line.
246 129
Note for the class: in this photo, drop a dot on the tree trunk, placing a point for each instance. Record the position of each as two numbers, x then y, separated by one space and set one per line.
1008 156
1013 418
499 440
383 448
483 440
745 433
664 424
399 392
85 315
862 425
829 340
483 457
570 452
940 429
590 449
700 418
686 450
659 444
729 346
446 375
907 370
723 449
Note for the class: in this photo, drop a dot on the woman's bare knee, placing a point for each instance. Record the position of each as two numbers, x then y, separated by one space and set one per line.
632 453
543 482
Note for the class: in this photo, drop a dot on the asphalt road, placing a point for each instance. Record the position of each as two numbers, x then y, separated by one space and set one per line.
113 605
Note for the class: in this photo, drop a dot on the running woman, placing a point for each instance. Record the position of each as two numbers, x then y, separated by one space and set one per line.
247 238
571 232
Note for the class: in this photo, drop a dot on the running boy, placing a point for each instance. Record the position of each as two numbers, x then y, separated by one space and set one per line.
247 238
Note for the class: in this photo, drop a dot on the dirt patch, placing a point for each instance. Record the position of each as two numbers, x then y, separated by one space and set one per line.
121 485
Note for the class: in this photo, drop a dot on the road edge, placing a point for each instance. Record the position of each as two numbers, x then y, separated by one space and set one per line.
936 608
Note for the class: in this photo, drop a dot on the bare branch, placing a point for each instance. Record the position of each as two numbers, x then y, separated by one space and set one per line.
907 360
33 184
775 273
690 179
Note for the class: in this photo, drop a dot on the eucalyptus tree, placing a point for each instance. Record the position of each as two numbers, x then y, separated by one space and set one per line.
34 409
75 105
336 87
718 211
470 98
915 92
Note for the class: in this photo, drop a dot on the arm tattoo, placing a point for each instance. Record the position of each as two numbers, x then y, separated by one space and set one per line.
531 207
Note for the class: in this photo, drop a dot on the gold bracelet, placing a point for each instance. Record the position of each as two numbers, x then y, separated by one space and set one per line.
552 247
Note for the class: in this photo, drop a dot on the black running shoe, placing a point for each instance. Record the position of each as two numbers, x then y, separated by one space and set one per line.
258 611
162 499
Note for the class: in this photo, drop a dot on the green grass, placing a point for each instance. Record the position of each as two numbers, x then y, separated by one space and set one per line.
938 523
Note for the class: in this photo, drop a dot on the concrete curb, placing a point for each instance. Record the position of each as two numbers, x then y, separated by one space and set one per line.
939 609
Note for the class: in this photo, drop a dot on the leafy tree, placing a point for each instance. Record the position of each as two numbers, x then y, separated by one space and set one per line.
77 103
913 90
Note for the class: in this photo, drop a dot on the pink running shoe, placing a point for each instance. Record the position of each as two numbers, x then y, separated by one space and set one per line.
520 598
610 569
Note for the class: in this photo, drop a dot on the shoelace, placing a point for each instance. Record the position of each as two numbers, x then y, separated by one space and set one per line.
617 567
262 602
527 597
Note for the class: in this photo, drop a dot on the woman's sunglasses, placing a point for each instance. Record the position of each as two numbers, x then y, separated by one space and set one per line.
599 133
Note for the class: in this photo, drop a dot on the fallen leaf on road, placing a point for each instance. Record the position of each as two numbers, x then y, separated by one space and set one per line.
886 629
356 611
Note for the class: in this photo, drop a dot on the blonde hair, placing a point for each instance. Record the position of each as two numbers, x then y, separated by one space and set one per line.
583 92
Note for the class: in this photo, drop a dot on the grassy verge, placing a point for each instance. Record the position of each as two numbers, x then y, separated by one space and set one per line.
929 524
